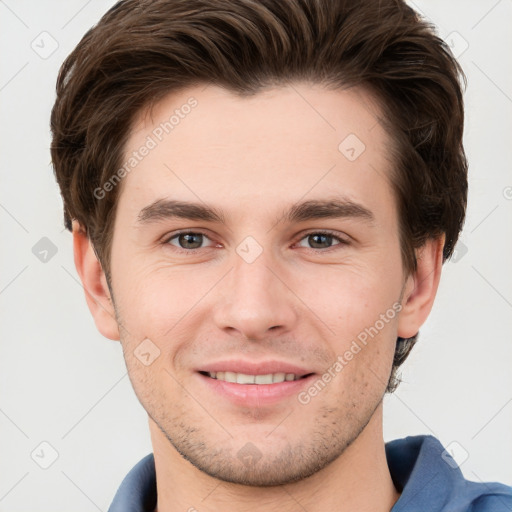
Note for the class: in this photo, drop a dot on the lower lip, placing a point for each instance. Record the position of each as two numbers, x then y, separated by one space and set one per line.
256 395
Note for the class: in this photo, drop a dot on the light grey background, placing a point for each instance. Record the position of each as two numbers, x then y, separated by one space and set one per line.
63 384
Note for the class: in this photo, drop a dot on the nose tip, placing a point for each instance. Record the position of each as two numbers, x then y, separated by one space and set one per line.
256 303
254 336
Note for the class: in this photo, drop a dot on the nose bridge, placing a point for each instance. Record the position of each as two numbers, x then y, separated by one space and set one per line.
255 298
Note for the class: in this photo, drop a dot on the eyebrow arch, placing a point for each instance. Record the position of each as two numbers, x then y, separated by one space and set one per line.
308 210
324 209
167 209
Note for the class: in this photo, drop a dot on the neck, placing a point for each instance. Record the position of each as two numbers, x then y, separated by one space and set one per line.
358 480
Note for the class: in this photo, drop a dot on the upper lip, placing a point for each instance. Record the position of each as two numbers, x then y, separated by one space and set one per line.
252 368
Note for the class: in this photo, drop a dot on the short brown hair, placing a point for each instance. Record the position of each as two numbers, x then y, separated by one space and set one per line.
142 50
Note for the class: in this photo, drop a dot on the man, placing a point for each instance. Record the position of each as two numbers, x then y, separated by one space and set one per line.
261 196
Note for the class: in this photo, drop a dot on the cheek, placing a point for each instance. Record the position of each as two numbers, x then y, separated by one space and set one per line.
162 304
350 298
151 297
361 309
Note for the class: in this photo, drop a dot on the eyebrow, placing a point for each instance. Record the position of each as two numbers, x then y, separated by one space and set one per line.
163 209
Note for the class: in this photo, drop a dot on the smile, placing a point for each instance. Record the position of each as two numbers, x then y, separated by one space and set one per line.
244 378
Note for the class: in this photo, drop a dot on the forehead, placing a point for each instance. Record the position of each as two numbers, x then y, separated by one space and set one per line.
297 141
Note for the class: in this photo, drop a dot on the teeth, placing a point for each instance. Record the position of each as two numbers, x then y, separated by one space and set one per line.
264 379
242 378
278 377
230 376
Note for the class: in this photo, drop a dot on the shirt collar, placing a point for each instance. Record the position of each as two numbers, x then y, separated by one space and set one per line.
424 472
137 492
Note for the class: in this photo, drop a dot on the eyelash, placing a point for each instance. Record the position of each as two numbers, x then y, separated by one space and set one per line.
179 250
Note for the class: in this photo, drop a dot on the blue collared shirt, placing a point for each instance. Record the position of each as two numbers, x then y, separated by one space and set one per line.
422 470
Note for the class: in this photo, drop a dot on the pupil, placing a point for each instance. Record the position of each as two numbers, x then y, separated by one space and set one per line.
186 240
316 236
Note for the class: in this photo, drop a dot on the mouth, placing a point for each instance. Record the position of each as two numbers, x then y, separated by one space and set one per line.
255 385
245 378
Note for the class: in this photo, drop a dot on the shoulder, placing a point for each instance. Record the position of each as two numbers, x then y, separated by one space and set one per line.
490 497
430 479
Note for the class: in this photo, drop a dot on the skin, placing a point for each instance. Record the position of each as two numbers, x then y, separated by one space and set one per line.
297 302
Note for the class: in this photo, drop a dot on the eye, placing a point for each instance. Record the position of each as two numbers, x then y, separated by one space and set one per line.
187 240
319 240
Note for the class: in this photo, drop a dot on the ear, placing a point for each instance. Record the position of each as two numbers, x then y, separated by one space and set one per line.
95 285
421 288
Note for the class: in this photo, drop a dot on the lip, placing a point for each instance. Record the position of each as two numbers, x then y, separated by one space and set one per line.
255 395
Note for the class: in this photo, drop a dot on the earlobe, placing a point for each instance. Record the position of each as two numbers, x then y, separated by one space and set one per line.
421 288
97 293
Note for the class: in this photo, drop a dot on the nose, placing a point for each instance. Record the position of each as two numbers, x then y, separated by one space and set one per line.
256 300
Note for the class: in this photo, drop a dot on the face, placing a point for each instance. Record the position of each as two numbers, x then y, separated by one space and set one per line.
258 321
